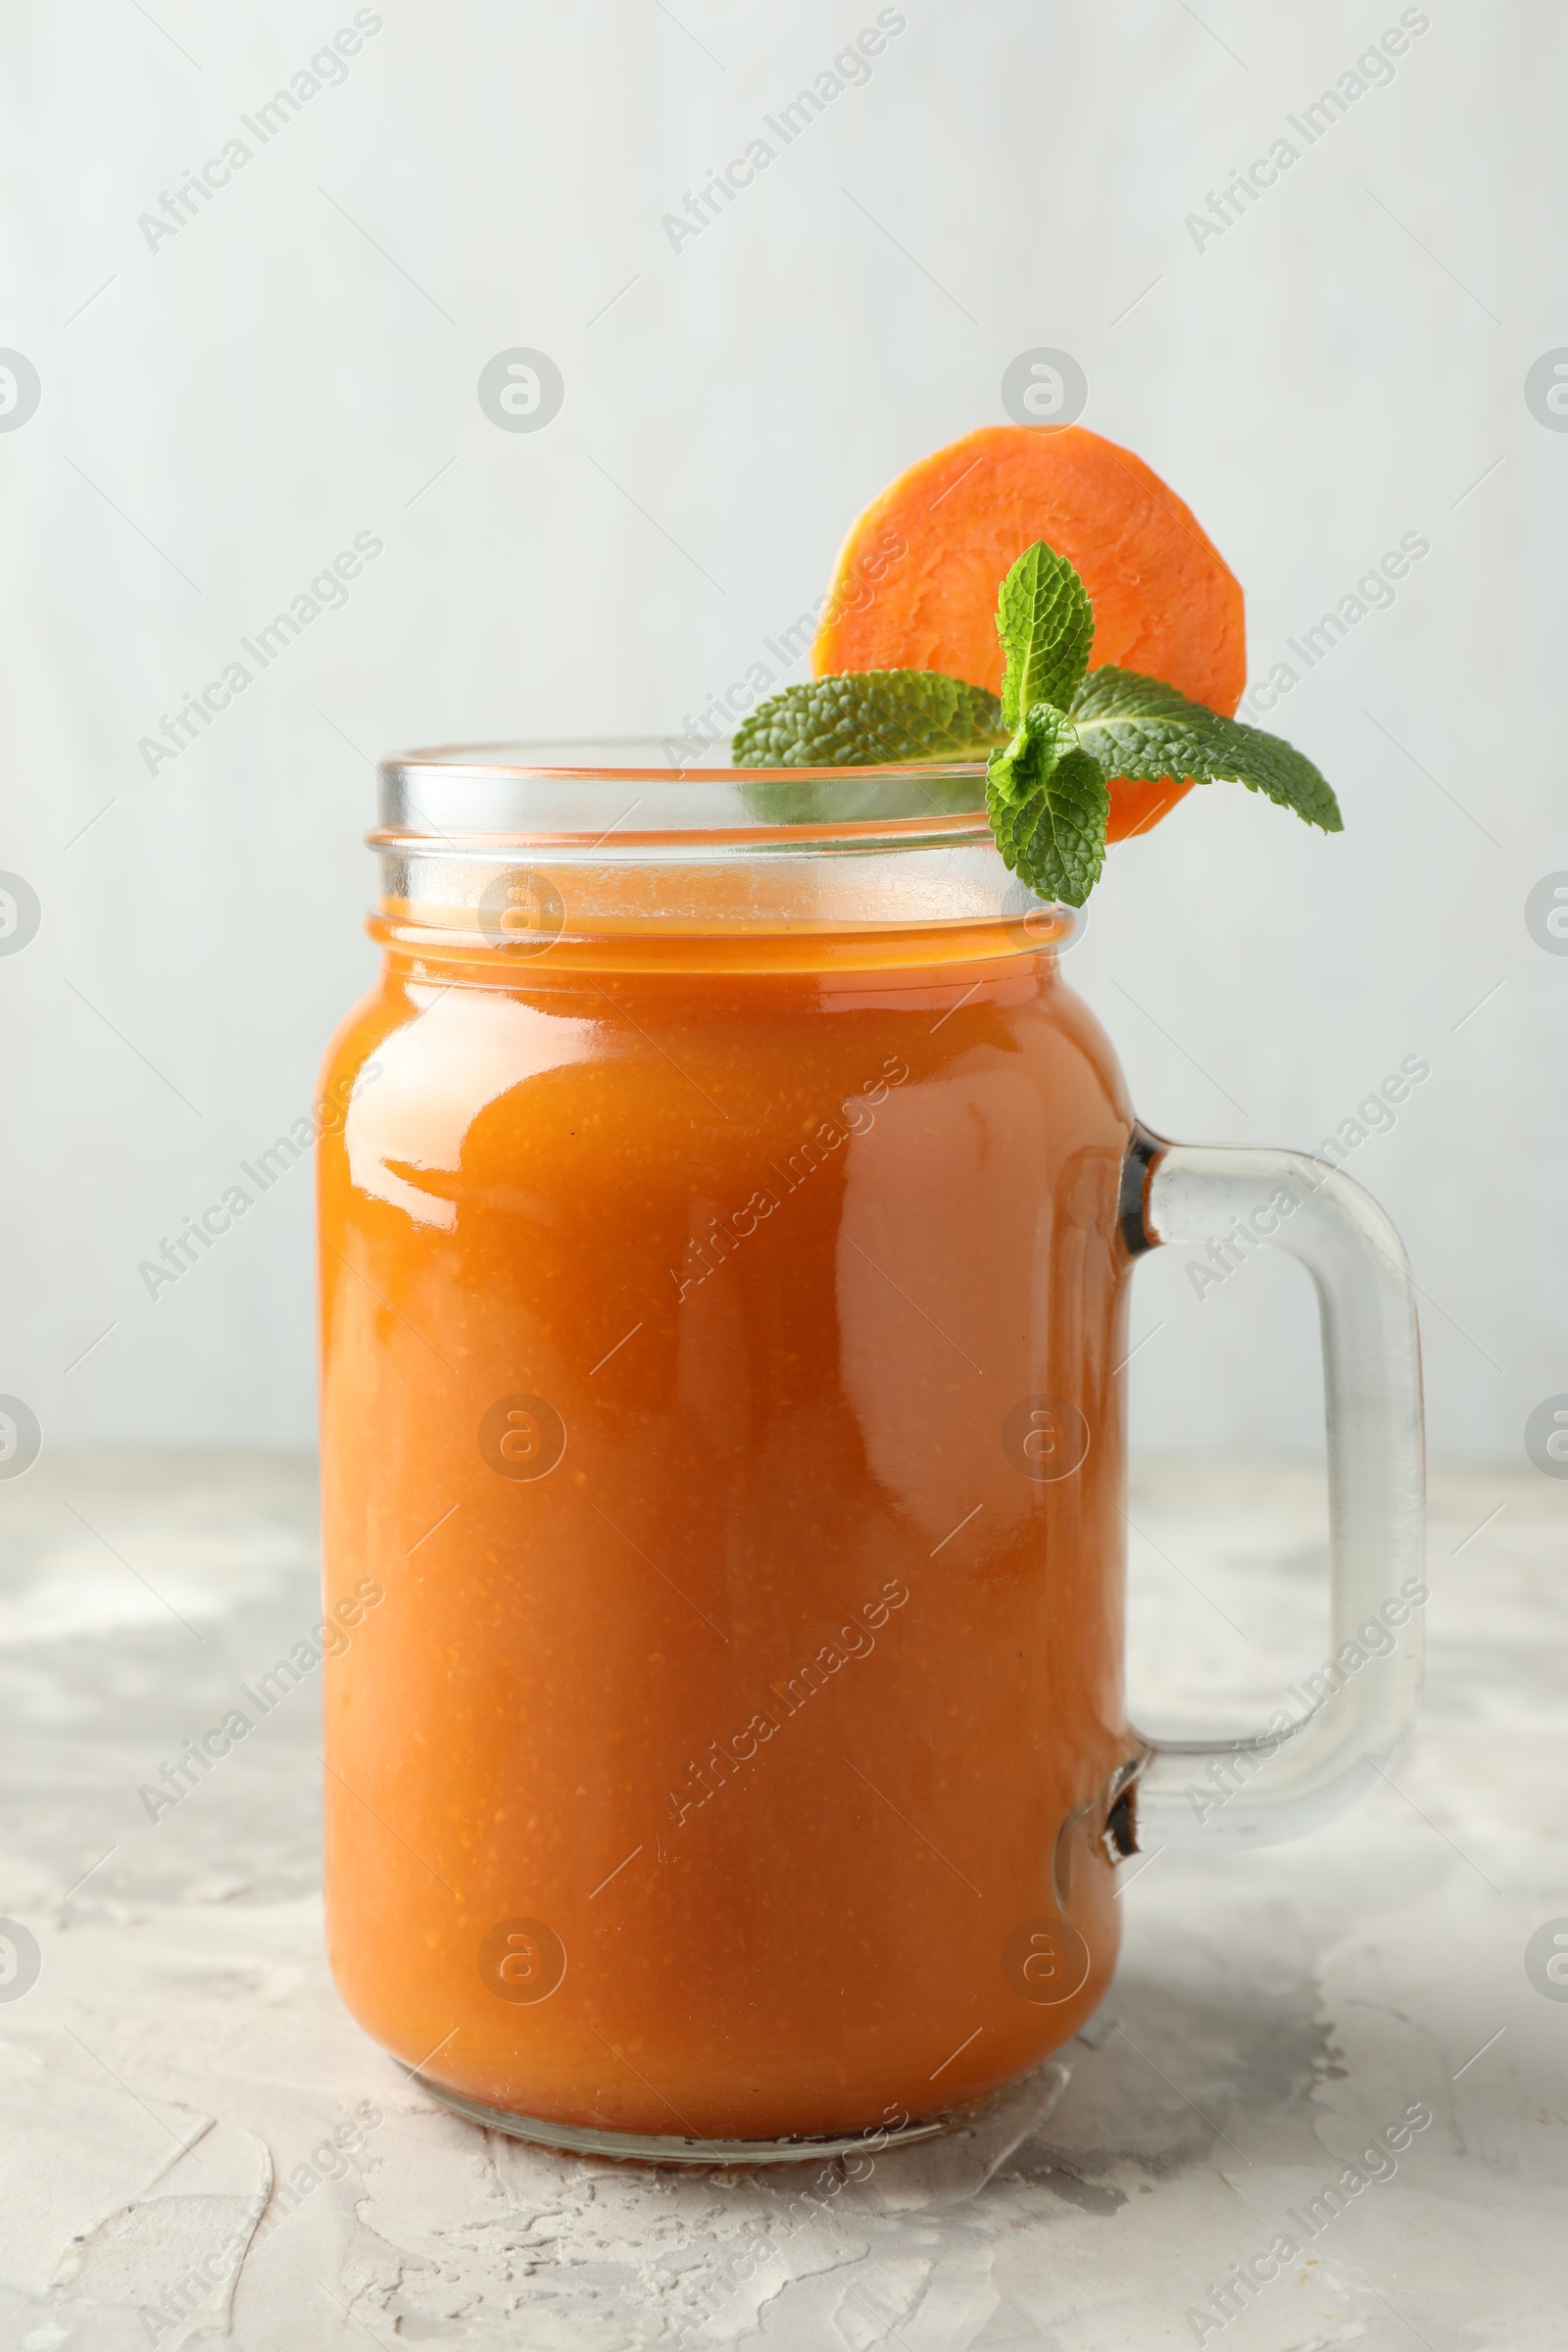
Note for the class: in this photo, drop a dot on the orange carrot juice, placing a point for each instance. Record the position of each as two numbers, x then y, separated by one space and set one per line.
719 1364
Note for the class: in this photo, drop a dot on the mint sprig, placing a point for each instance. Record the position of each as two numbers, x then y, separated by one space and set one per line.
1049 743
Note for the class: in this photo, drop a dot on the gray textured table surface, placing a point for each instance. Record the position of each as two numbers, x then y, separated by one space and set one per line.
183 2048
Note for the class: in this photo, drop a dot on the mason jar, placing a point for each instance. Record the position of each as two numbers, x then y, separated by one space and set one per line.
725 1263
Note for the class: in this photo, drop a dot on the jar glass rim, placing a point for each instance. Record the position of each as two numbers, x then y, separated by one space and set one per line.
642 791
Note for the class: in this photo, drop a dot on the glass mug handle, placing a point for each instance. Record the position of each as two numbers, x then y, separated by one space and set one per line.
1285 1782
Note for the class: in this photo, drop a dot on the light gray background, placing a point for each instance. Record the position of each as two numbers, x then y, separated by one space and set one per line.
221 415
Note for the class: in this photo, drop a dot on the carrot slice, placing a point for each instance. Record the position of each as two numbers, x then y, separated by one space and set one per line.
916 582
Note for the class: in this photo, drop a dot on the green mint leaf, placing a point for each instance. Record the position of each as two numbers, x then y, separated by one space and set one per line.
870 718
1048 805
1046 627
1141 729
1014 774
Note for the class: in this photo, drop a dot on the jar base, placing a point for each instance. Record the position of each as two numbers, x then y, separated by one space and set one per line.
647 2147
